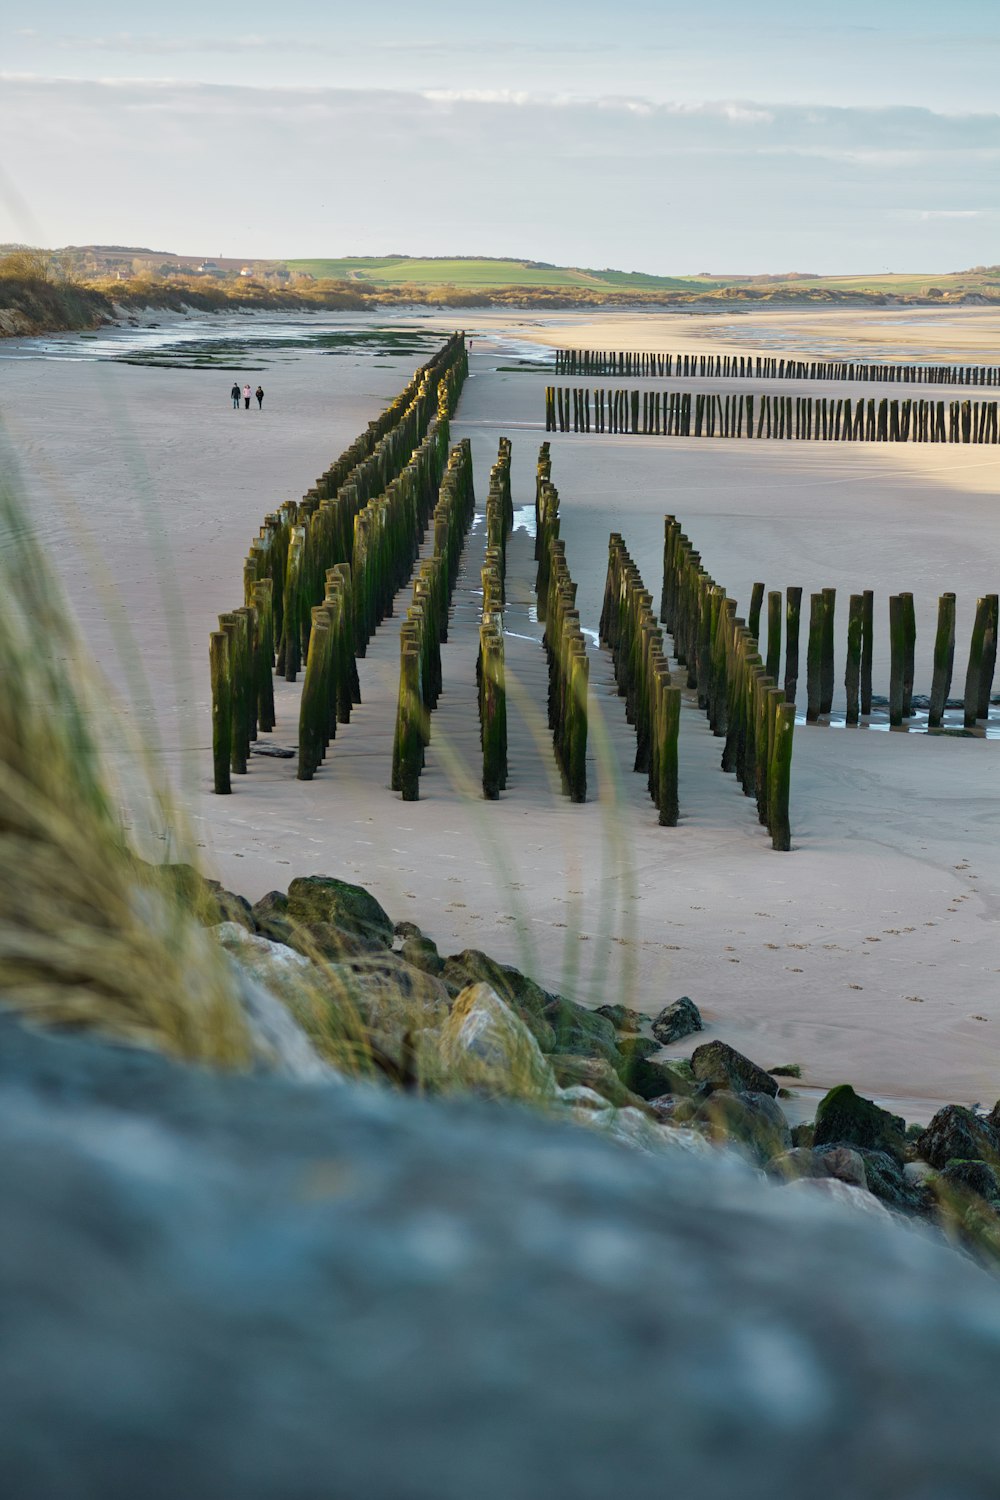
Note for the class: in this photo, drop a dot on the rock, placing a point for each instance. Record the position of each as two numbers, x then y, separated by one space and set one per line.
407 930
274 904
723 1067
422 953
392 998
210 902
670 1109
597 1075
485 1045
639 1046
283 971
886 1180
972 1177
218 1286
331 943
959 1133
280 1045
621 1017
839 1162
855 1198
580 1031
916 1173
523 995
321 898
844 1117
678 1020
752 1121
651 1079
802 1135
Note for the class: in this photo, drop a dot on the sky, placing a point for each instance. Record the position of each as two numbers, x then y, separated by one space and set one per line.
857 137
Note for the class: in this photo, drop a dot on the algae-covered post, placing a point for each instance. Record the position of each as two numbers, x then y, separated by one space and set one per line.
897 658
773 633
867 648
944 660
756 603
852 673
222 724
974 672
814 659
828 643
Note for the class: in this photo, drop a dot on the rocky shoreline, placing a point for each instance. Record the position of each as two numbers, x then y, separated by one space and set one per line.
376 997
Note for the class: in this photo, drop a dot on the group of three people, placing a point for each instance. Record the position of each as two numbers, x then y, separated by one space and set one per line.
247 393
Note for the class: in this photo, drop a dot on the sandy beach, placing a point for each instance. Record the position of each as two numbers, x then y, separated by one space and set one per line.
868 954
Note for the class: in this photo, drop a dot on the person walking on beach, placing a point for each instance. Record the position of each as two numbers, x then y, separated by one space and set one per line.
259 393
235 393
246 396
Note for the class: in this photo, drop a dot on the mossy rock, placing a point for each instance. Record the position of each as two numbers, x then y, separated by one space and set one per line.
621 1017
844 1117
594 1073
522 994
208 899
639 1046
973 1177
422 953
321 898
577 1030
958 1134
752 1121
887 1182
325 940
722 1067
651 1080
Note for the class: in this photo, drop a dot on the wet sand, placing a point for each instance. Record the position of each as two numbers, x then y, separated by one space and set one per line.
868 954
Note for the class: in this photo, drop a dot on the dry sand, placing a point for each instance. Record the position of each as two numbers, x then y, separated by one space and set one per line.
868 954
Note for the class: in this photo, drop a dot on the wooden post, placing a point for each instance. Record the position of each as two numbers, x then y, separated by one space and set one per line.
829 638
897 658
773 659
910 642
974 670
756 601
988 664
793 607
222 712
944 660
852 675
814 659
781 777
867 647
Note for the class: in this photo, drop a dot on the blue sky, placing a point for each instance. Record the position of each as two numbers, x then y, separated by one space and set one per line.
852 137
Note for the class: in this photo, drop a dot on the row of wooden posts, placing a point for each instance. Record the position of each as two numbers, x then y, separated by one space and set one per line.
425 628
342 550
860 639
742 415
630 630
491 675
563 640
742 699
628 362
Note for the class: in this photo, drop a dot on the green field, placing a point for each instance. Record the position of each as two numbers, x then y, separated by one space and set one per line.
398 270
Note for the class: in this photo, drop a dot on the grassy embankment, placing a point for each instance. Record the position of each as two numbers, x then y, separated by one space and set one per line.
37 297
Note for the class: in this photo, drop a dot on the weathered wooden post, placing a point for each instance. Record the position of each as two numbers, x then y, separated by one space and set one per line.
814 659
852 675
897 658
829 640
222 711
793 607
756 602
780 778
867 648
909 653
974 671
944 660
773 659
989 658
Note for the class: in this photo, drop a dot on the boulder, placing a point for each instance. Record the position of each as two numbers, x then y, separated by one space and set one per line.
650 1079
845 1118
208 899
597 1074
857 1199
280 1045
580 1031
422 953
677 1021
638 1046
321 898
722 1067
485 1045
972 1177
887 1181
752 1121
283 971
959 1133
392 999
621 1017
839 1162
522 994
331 943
